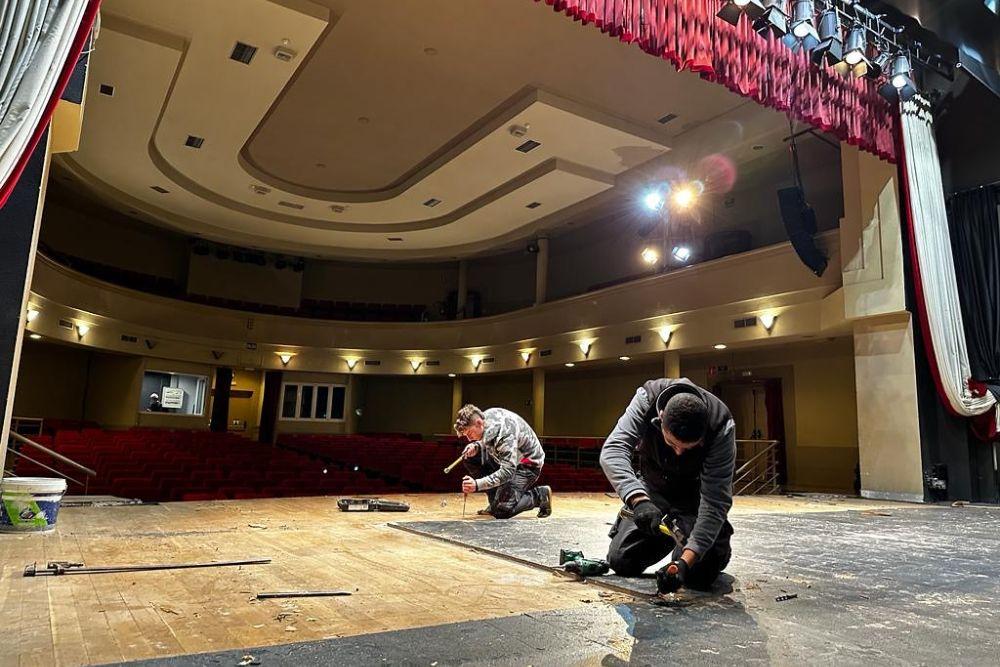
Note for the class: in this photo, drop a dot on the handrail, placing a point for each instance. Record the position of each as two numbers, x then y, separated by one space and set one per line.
763 452
49 468
56 455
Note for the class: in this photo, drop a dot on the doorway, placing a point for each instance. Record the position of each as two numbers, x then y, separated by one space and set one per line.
757 408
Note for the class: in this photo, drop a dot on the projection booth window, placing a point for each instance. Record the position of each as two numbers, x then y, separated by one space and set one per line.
313 402
173 393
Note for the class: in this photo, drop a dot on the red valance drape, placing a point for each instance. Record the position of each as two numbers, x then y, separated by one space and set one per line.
687 33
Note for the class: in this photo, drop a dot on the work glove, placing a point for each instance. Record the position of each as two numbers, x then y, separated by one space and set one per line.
647 517
669 579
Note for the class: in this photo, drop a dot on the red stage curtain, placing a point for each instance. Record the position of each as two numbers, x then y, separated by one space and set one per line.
687 33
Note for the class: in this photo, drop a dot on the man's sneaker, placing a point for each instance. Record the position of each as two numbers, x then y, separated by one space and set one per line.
486 511
544 501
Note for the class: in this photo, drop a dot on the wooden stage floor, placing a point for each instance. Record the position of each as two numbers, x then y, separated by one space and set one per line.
398 580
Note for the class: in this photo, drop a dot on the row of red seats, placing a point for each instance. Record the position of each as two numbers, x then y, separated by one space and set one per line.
419 465
162 465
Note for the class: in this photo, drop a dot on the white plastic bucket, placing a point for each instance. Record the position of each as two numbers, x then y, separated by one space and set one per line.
30 504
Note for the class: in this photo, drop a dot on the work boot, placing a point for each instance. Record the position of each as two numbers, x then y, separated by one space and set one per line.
544 501
486 511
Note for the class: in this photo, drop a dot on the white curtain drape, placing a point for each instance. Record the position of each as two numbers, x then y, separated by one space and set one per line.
36 37
934 261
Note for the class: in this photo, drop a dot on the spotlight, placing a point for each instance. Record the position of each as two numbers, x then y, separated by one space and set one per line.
733 9
803 26
682 253
830 49
684 196
857 43
774 20
650 255
653 200
901 72
878 66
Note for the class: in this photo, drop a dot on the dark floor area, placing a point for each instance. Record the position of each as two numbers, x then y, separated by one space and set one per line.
917 586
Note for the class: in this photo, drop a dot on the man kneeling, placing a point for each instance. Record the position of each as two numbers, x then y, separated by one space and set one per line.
683 439
504 459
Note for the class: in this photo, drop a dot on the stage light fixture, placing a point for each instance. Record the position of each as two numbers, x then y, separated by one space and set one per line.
650 255
803 24
830 48
682 253
653 200
879 65
684 196
774 20
901 72
733 9
857 43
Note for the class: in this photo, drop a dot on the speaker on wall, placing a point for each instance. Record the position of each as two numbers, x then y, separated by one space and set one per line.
800 224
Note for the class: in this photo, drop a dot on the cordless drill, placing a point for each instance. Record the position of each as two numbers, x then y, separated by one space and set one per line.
575 562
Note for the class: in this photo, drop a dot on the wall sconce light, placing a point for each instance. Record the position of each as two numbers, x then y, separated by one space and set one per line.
351 362
415 364
585 346
526 356
767 320
665 333
33 313
82 329
476 362
285 357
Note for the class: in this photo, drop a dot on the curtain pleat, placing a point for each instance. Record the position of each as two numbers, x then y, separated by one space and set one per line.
687 33
938 304
40 41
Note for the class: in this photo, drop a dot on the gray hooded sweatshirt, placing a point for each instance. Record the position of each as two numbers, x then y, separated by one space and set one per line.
510 442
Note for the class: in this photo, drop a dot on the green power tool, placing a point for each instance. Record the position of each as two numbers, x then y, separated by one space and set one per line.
575 562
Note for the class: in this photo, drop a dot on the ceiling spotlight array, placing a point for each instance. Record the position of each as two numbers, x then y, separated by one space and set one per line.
840 34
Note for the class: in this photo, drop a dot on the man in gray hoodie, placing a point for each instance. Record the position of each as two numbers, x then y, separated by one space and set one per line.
503 458
683 439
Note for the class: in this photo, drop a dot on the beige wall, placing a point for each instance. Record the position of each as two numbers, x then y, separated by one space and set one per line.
583 402
819 404
51 381
113 390
511 391
406 405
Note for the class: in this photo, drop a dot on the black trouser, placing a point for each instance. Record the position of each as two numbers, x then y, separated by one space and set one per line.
515 496
632 551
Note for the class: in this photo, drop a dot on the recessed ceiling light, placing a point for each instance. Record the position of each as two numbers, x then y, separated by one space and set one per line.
534 204
193 141
528 146
720 346
451 375
432 202
259 189
34 336
162 191
623 358
570 364
243 53
106 89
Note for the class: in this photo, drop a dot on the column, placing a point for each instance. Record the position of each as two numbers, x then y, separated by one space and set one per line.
353 402
671 364
21 217
538 400
456 396
542 271
463 289
220 400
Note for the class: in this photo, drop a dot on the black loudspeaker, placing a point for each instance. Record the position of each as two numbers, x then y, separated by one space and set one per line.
800 224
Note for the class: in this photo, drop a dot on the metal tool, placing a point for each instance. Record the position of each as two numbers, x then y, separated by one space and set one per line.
454 463
669 526
371 505
300 594
61 567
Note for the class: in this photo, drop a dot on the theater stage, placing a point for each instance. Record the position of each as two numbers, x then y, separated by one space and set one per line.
875 582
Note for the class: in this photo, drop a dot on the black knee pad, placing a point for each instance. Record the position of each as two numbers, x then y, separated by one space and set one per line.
624 567
503 511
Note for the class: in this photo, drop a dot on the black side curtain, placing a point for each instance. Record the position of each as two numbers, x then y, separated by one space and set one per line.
974 223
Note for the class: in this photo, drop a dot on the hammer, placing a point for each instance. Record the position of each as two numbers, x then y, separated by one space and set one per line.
452 466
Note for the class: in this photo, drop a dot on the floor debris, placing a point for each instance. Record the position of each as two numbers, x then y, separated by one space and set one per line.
782 598
248 660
